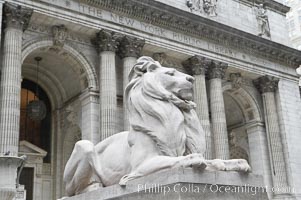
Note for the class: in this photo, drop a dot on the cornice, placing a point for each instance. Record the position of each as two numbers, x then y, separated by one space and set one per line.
163 15
271 4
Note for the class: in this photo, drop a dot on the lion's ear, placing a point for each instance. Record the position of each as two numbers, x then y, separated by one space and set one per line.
152 67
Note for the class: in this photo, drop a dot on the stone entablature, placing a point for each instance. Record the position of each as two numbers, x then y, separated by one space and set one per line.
188 29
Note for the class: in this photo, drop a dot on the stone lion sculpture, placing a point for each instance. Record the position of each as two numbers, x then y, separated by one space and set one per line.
165 133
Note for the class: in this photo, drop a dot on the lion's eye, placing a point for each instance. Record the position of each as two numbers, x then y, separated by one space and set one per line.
170 73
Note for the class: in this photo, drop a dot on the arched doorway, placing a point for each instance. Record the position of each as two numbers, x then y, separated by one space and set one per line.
64 74
246 130
241 110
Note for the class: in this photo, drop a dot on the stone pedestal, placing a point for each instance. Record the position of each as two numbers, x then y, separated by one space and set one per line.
8 176
184 184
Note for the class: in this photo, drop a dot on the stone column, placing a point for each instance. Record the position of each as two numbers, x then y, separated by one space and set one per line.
218 117
129 50
16 20
267 86
107 43
259 154
90 116
197 66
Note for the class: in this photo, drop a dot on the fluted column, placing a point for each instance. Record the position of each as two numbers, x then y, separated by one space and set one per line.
107 43
218 117
16 18
259 154
197 66
129 50
267 86
90 116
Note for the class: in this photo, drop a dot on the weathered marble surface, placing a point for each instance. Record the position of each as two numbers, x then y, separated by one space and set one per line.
169 183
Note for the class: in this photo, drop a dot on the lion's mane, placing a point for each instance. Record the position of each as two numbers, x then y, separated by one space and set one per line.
147 99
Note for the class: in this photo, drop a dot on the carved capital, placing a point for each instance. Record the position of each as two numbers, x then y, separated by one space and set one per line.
107 41
130 47
266 84
236 80
197 65
160 57
60 34
217 70
16 16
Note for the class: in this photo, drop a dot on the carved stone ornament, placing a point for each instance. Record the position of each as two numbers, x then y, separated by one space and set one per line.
16 16
107 40
236 80
266 84
60 34
217 70
263 21
194 5
130 47
197 65
160 57
155 97
209 7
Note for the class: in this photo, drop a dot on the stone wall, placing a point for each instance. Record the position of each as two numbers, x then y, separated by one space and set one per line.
241 15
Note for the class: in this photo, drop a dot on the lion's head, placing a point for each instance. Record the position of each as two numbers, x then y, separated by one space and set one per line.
159 101
162 83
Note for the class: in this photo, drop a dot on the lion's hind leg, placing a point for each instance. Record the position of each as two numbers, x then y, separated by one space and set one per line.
79 173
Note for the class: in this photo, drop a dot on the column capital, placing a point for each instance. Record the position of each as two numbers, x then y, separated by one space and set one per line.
217 70
130 47
16 16
107 40
266 84
197 65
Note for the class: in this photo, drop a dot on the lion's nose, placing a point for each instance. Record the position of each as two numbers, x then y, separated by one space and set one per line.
190 79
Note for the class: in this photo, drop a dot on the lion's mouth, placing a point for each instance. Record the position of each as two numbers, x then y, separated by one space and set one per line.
185 94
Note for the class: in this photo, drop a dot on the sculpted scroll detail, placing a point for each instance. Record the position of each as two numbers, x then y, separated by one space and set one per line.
165 133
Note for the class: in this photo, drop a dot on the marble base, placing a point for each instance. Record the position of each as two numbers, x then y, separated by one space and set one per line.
8 175
184 184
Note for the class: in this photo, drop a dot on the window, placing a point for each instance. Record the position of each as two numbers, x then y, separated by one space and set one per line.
35 132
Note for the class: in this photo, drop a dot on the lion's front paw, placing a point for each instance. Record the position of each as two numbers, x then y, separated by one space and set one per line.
237 165
195 161
215 165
